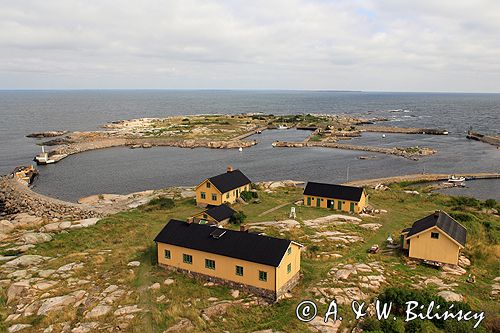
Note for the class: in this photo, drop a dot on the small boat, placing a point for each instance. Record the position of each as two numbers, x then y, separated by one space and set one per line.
455 179
43 158
240 149
383 135
25 173
282 127
259 132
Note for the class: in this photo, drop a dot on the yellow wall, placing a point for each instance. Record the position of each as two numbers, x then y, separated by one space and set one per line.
346 204
225 267
444 250
221 198
282 271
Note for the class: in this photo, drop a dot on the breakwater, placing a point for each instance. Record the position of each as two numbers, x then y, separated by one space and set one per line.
74 148
431 177
490 139
408 152
402 130
16 197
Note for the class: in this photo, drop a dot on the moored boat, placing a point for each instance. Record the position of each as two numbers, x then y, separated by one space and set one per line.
43 158
455 179
25 173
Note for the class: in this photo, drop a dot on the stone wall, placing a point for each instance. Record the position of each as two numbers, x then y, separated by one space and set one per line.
287 287
264 293
16 197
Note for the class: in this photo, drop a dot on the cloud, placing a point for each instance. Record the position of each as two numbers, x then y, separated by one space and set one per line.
361 45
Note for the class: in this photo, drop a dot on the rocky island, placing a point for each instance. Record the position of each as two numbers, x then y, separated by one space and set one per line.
228 132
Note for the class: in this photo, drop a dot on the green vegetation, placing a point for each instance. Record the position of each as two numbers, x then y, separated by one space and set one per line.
399 296
238 218
161 203
249 195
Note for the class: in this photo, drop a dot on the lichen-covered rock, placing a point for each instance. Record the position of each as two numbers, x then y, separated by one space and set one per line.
35 238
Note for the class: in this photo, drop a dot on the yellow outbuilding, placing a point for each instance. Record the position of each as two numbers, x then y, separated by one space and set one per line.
263 265
437 237
219 215
340 197
223 188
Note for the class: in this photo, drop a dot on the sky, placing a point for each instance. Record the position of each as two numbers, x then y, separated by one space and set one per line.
371 45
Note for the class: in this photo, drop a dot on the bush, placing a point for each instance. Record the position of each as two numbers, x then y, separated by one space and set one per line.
162 203
490 203
399 296
238 218
463 217
248 195
393 326
465 201
370 324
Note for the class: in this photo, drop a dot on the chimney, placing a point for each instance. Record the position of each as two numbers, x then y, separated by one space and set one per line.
229 168
243 228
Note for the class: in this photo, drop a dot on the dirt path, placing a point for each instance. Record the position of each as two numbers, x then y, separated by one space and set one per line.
274 209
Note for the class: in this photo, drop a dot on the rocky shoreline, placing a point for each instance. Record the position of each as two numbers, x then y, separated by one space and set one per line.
16 197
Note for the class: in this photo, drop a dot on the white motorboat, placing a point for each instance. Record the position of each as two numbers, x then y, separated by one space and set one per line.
43 158
455 179
282 127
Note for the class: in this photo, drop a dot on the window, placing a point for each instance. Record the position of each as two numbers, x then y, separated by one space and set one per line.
227 195
289 268
435 235
239 270
188 259
289 250
214 197
167 254
210 263
208 185
203 195
262 276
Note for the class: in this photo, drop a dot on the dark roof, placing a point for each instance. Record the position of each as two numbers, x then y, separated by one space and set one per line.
236 244
229 181
444 222
220 213
333 191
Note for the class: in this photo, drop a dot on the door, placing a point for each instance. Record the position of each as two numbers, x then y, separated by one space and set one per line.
309 201
351 207
329 203
339 205
318 202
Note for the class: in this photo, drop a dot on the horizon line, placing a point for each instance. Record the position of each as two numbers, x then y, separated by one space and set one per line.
247 89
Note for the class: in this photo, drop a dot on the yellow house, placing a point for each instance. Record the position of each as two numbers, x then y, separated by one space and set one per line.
219 215
262 265
339 197
224 188
437 237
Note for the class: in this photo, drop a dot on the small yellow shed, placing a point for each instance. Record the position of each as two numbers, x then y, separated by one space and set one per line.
437 237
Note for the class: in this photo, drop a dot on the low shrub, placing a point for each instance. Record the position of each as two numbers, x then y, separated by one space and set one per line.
249 195
162 203
238 218
490 203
